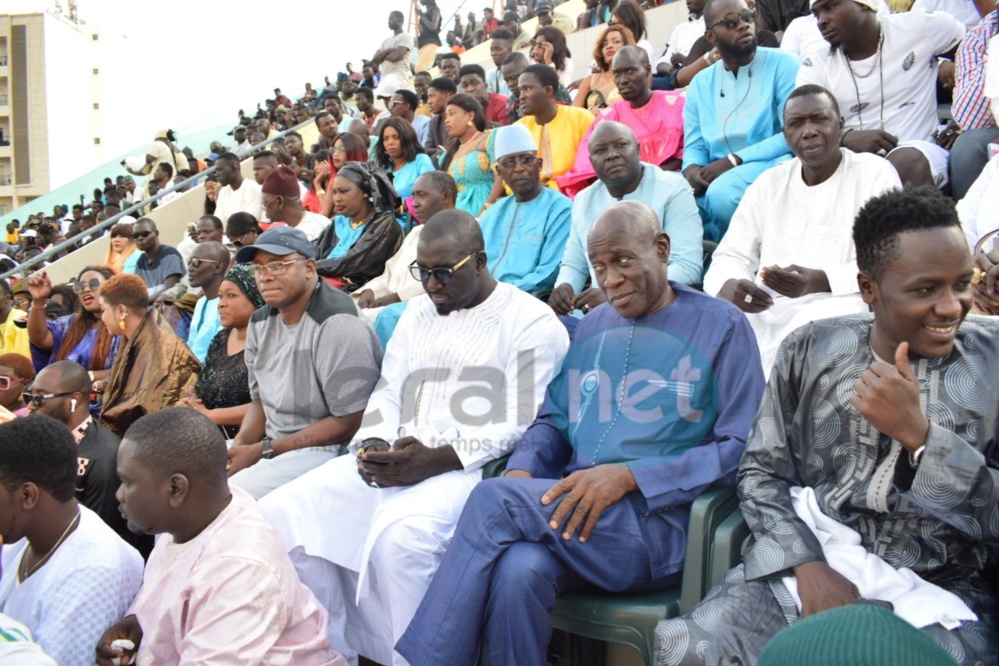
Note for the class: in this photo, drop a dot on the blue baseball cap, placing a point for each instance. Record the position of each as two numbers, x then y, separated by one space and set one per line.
281 241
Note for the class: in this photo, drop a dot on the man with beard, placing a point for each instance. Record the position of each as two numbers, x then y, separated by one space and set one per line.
732 117
654 116
883 73
366 532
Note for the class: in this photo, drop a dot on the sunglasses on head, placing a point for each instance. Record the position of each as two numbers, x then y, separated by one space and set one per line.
79 286
732 21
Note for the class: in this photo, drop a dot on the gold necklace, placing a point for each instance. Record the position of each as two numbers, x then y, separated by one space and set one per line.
44 559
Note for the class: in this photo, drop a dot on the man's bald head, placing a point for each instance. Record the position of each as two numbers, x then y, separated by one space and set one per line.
634 56
611 129
715 9
179 440
213 251
459 227
65 376
629 218
615 156
359 128
628 251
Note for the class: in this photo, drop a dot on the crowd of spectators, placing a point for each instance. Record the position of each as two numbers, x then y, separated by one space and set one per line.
705 263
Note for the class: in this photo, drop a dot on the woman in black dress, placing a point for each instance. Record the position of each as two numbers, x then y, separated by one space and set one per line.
223 392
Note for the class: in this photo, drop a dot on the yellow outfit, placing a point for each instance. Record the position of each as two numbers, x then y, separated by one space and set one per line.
558 140
14 339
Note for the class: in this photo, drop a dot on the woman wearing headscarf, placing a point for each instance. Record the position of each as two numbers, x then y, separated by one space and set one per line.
364 233
223 389
153 368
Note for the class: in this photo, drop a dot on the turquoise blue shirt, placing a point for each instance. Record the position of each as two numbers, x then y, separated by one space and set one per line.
404 179
346 237
743 114
666 193
204 325
131 262
525 241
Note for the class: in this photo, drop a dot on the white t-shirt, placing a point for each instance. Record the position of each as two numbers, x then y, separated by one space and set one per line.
802 37
400 68
246 199
86 586
682 40
902 85
963 10
313 224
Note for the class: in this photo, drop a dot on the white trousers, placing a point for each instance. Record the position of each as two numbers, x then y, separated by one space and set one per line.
368 554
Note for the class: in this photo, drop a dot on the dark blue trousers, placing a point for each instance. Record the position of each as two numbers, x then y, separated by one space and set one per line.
504 569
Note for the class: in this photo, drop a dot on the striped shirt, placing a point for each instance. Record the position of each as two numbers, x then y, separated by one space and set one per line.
971 108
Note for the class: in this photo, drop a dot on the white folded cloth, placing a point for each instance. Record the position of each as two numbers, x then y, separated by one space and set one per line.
916 601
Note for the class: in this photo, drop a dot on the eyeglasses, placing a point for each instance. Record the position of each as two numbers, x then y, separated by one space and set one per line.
36 399
396 102
442 275
526 161
275 268
20 302
195 262
5 382
732 21
79 286
339 150
141 234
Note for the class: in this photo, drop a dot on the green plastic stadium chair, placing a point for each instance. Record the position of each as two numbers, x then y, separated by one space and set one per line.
631 619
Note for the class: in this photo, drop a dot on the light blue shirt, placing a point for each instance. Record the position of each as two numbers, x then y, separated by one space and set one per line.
743 114
131 263
666 193
346 237
525 240
204 325
404 179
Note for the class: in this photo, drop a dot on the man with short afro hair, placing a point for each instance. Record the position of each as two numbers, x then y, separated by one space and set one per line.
66 574
881 428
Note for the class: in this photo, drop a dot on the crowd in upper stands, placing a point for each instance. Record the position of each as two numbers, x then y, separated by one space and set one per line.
489 337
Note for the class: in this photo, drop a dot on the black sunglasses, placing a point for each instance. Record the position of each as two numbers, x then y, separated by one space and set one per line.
442 275
732 21
36 399
141 234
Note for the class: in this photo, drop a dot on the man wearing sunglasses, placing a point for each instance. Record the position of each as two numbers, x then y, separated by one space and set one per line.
62 391
312 363
733 114
160 265
463 377
207 266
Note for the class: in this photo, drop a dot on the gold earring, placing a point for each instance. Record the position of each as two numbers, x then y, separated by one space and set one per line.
121 324
469 123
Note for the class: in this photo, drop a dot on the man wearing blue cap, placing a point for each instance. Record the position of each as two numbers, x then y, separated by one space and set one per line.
525 234
312 364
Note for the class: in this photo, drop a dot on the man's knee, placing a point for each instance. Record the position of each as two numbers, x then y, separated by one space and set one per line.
912 166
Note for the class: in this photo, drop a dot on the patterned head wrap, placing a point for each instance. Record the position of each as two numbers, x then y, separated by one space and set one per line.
241 276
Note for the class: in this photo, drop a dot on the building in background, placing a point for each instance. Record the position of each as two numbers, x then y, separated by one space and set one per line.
54 66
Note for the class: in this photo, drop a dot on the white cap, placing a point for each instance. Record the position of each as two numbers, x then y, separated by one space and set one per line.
514 139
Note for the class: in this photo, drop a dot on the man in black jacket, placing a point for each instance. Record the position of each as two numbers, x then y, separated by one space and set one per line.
62 391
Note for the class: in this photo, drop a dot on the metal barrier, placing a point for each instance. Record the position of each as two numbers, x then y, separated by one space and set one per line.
95 231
